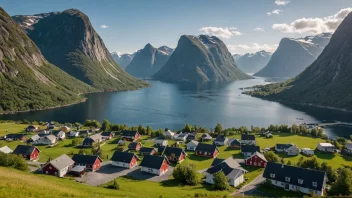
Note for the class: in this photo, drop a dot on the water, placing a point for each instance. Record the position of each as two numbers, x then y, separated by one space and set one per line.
169 105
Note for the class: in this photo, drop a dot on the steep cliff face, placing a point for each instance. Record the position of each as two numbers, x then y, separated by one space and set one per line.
122 59
252 62
148 60
27 79
68 40
294 55
327 82
200 59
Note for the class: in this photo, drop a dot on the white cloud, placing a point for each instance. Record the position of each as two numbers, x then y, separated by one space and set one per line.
104 26
221 32
276 12
251 48
281 2
314 25
259 29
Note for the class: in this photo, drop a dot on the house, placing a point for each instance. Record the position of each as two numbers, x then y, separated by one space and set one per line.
161 142
191 136
73 134
207 150
59 166
230 168
326 147
154 164
257 159
289 149
50 125
65 129
91 162
46 140
32 128
235 144
148 151
192 145
6 150
307 151
248 150
124 159
90 140
181 137
221 140
33 138
347 149
121 142
293 150
206 137
248 139
293 178
27 152
130 135
174 154
14 137
44 132
107 135
136 146
169 134
61 135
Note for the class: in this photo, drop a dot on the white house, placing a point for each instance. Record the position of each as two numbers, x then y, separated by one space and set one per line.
44 132
289 149
293 150
121 142
307 151
248 139
293 178
73 134
169 134
348 148
192 145
61 135
326 147
221 140
181 137
46 140
6 150
161 142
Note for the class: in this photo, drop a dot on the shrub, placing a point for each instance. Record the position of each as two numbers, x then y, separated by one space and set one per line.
186 174
221 181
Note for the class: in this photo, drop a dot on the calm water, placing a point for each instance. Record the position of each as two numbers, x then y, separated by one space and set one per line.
168 105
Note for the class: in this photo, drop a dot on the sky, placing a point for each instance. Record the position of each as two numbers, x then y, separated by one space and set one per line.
245 26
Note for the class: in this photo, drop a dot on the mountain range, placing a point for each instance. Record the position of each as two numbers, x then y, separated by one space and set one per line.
122 59
148 60
252 62
200 59
68 40
294 55
326 82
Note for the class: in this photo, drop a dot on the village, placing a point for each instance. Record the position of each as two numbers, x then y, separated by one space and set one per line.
240 157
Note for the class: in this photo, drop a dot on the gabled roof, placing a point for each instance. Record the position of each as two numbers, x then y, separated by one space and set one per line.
229 167
95 137
62 162
206 136
249 148
308 176
85 159
128 133
160 140
50 137
61 133
35 137
283 146
174 150
261 156
147 150
24 150
206 147
193 142
125 157
31 127
153 161
348 146
221 138
181 135
107 133
6 149
247 137
235 142
133 144
326 145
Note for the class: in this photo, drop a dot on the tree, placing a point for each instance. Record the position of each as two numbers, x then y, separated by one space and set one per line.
74 142
188 128
218 128
115 185
272 157
149 130
343 184
106 126
311 163
81 152
186 173
13 161
221 181
88 123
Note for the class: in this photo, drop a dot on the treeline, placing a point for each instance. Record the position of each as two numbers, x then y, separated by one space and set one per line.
13 161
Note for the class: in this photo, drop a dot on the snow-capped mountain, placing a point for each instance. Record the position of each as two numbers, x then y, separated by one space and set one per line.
252 62
122 59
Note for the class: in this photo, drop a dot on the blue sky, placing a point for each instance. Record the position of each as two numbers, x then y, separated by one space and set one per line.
131 24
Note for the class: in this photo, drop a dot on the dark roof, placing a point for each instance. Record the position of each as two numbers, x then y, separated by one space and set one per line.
15 136
85 159
283 146
147 150
128 133
247 137
31 127
221 138
206 135
107 133
133 145
119 156
206 147
250 148
161 148
235 142
24 150
173 150
217 161
153 161
226 169
294 173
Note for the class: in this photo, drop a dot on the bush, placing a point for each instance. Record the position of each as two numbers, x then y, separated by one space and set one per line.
272 157
221 181
13 161
186 174
115 185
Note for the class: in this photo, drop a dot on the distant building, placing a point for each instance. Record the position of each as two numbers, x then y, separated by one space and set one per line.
27 152
73 134
181 137
289 149
154 164
46 140
207 150
91 162
65 129
257 159
6 150
192 145
248 150
248 139
89 141
108 135
221 140
173 154
307 151
16 136
161 142
235 144
169 134
148 151
135 146
130 135
61 135
59 166
326 147
206 137
32 128
348 148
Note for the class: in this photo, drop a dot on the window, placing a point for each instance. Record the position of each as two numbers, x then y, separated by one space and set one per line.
259 164
300 181
287 179
50 167
272 175
315 184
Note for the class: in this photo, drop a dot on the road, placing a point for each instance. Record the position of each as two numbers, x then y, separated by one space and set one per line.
251 188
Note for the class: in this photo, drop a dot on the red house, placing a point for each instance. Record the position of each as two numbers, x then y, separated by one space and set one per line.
124 159
207 150
108 135
175 154
91 162
59 166
130 135
257 159
135 146
27 152
154 164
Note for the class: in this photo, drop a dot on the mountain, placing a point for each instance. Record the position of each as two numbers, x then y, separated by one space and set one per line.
27 80
327 82
294 55
68 40
200 59
252 62
148 60
122 59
